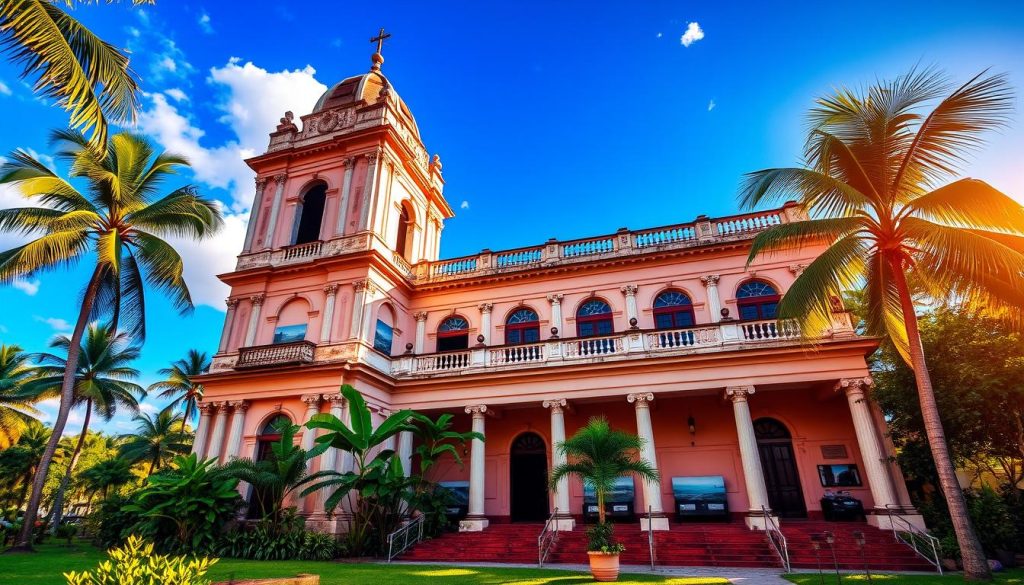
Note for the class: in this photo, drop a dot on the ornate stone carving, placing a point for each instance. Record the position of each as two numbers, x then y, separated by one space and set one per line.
207 408
349 162
335 399
486 307
311 399
257 300
555 299
372 157
477 410
331 289
420 316
710 279
231 303
239 405
641 399
261 182
359 285
739 393
280 178
629 290
556 405
797 269
854 385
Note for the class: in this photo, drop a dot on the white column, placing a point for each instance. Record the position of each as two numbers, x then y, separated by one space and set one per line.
875 463
556 313
229 321
368 190
631 311
421 331
346 189
275 208
215 448
254 319
202 429
357 308
475 519
563 515
405 451
714 302
753 475
327 323
652 489
257 203
238 408
485 321
329 460
308 436
367 318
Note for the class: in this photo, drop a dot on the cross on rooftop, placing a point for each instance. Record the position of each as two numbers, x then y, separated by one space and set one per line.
379 39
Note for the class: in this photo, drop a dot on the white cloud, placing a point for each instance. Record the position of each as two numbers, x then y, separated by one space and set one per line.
464 205
4 90
57 324
658 36
148 407
167 64
132 31
176 94
693 34
29 287
204 23
711 105
207 258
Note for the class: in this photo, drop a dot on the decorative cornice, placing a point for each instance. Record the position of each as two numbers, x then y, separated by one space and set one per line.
640 398
739 393
710 280
477 410
629 290
555 299
556 405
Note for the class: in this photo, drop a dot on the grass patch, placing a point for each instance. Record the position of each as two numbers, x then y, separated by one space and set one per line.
1008 577
47 566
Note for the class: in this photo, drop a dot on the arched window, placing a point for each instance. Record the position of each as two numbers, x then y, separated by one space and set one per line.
757 300
522 326
594 318
453 334
673 310
292 321
309 215
403 243
260 501
384 332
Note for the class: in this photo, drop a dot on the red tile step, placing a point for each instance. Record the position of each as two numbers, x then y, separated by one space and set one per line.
881 550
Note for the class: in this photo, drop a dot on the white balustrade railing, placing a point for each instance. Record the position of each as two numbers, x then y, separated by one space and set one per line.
593 346
402 263
519 257
452 267
299 251
683 338
666 235
733 226
588 247
769 330
440 362
516 354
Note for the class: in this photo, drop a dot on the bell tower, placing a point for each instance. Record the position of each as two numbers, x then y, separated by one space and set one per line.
355 177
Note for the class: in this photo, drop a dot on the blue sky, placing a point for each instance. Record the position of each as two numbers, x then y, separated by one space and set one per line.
552 119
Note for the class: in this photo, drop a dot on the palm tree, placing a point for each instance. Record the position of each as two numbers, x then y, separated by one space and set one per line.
107 474
85 75
19 461
120 222
155 440
599 455
880 185
102 386
178 384
16 410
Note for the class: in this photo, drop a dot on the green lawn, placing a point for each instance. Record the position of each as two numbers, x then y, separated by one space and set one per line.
1010 577
47 566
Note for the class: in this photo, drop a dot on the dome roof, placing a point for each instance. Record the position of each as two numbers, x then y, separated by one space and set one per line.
363 89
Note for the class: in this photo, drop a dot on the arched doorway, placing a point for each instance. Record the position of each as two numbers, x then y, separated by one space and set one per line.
309 215
259 503
781 477
528 479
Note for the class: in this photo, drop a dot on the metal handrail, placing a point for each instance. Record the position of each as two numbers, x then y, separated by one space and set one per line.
650 533
414 526
547 538
776 538
920 541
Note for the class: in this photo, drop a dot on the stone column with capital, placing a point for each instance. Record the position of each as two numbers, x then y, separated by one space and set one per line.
652 489
556 313
329 459
275 208
405 451
476 520
753 474
257 204
368 190
331 293
229 321
254 319
346 190
357 308
875 464
312 402
421 331
710 282
206 411
238 409
563 513
629 291
215 447
485 321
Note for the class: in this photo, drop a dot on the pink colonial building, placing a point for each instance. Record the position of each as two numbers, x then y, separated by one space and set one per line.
665 331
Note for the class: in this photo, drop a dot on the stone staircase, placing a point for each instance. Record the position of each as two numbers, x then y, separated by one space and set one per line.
881 550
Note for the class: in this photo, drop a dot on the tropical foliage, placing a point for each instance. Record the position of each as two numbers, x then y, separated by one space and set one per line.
880 185
598 455
119 223
16 410
107 474
18 463
179 387
282 540
136 562
157 439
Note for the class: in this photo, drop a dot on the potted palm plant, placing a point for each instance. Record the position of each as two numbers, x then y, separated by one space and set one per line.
598 455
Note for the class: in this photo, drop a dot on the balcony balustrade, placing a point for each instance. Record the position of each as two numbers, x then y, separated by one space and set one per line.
278 354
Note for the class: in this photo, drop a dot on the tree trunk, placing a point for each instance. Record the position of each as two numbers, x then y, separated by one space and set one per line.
152 464
975 564
184 417
24 540
58 498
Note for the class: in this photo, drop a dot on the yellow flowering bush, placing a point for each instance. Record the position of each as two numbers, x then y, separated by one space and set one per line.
136 564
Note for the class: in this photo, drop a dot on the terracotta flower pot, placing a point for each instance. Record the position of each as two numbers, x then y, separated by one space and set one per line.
604 566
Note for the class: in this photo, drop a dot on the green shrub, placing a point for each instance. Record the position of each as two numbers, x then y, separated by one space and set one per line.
135 563
272 541
600 538
992 522
67 532
112 523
